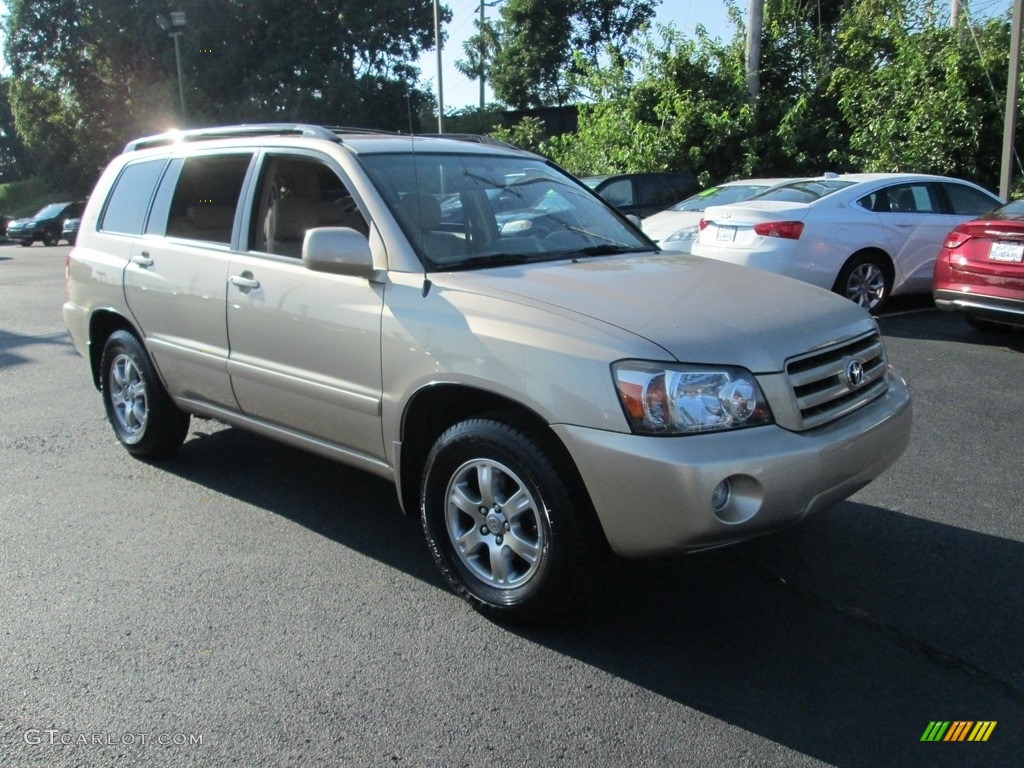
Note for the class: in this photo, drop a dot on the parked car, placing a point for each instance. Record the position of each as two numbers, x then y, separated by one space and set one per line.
70 230
46 225
865 236
675 228
641 194
540 387
980 270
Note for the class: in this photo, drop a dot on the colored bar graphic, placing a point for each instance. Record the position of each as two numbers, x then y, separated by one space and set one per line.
958 730
935 731
982 730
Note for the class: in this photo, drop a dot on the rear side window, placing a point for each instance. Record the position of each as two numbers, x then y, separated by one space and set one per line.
129 199
205 197
967 201
619 193
656 191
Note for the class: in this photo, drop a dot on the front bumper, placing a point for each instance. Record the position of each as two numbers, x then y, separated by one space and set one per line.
653 495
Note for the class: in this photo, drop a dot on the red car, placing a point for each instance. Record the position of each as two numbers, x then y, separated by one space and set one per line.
980 269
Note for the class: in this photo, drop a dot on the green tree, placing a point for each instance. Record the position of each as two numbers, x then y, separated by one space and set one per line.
921 96
87 75
543 42
685 109
798 126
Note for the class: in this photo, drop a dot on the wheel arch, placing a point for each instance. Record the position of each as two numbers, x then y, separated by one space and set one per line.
102 324
436 408
886 260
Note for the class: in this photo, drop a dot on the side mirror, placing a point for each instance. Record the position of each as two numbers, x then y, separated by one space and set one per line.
338 251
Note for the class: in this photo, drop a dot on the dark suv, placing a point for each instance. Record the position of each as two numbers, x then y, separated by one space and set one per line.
46 225
643 194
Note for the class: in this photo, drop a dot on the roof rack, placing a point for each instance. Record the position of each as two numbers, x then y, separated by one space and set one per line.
328 132
233 132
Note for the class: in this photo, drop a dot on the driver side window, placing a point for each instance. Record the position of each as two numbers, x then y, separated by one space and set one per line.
297 194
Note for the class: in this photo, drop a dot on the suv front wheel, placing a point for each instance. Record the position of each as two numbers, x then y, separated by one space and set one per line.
502 523
144 418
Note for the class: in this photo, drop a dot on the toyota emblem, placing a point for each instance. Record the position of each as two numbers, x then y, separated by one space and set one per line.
854 373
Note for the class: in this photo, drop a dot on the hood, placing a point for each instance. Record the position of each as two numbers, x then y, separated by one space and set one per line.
699 310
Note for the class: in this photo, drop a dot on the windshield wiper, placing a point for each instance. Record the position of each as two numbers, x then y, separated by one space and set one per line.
499 260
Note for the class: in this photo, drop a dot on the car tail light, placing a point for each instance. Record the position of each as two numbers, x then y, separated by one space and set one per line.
956 238
702 223
789 230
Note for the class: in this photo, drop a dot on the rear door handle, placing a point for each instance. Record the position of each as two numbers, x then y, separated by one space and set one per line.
142 259
244 281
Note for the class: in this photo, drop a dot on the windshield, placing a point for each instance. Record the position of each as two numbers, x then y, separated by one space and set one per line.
803 191
718 196
49 211
478 210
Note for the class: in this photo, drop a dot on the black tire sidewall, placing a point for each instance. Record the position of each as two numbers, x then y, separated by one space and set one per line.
842 284
550 586
166 426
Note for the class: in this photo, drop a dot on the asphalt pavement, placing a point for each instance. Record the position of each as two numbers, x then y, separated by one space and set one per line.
246 604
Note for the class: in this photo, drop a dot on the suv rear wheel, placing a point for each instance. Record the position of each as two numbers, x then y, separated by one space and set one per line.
503 524
143 416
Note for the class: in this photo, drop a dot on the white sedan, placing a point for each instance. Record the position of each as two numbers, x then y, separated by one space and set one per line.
675 229
866 236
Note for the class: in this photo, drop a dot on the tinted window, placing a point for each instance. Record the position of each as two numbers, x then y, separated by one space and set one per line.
297 194
967 201
129 199
806 191
718 196
911 198
206 196
656 191
619 193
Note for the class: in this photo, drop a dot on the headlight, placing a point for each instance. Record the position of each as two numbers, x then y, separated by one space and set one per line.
689 233
677 399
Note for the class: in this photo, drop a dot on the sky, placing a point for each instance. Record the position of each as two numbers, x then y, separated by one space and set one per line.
460 91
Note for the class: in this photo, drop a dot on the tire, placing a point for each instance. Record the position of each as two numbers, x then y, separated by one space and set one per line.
520 566
50 239
865 280
25 243
144 418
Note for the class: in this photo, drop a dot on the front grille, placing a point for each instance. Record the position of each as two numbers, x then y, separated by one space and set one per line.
822 385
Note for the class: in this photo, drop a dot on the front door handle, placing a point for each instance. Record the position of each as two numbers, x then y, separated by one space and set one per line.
245 281
142 259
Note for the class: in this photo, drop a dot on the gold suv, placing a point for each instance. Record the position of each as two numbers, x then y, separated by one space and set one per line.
541 384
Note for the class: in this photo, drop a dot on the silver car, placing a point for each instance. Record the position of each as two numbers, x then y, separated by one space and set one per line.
471 323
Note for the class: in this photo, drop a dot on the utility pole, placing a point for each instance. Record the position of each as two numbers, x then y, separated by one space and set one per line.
483 51
755 22
1012 95
483 46
954 13
440 85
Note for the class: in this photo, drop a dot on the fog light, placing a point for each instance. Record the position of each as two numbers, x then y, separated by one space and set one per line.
720 496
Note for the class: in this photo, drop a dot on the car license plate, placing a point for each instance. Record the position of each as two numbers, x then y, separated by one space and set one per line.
1006 252
726 233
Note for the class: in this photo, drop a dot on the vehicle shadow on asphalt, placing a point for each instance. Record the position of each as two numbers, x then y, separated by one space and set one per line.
947 326
841 638
10 342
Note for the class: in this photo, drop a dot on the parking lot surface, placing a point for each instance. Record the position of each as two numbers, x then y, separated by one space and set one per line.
249 604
